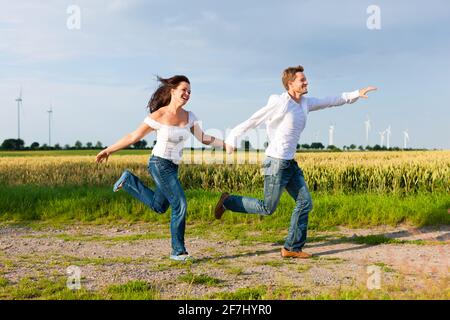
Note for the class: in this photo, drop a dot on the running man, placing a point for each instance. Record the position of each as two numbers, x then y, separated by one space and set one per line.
285 117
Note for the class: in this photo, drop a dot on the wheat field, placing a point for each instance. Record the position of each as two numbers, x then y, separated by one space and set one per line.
380 172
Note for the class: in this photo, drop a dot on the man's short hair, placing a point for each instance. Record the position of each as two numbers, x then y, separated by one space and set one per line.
289 75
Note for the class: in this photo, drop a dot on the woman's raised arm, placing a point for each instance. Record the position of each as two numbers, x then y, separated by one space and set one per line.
124 142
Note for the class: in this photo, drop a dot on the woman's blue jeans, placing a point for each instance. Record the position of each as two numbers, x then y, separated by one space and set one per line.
280 174
168 192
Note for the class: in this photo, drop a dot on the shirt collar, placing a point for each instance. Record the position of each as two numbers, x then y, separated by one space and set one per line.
288 97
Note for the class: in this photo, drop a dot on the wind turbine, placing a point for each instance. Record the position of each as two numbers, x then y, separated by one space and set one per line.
19 104
405 138
330 135
388 134
50 111
381 133
367 123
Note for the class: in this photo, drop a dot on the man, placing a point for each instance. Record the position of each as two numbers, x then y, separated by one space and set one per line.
285 116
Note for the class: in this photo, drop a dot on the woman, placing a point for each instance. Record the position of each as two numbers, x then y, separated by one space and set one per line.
173 125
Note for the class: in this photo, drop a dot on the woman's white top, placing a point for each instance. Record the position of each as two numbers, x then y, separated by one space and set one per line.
170 139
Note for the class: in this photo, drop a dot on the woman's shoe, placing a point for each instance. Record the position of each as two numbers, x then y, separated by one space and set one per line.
119 183
181 257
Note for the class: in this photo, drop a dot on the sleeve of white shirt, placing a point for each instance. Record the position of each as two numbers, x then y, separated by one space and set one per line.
152 123
254 121
193 120
315 104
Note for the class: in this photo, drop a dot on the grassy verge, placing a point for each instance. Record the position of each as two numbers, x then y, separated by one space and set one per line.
391 292
100 204
56 289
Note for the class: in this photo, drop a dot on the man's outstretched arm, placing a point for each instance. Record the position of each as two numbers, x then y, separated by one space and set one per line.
315 104
254 121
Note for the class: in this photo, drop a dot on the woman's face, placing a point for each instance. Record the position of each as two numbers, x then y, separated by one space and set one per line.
182 93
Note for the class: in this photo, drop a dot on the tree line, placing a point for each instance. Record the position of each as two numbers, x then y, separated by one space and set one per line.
19 144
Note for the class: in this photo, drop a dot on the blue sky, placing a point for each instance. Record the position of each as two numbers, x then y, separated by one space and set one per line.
99 78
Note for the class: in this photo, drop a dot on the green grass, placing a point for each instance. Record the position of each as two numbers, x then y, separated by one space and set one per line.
44 288
128 238
272 263
56 289
133 290
157 234
3 282
48 288
101 261
25 203
171 264
352 294
384 267
358 210
303 267
235 270
99 204
201 279
377 239
333 260
359 292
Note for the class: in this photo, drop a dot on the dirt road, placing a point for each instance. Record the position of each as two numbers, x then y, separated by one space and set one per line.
417 260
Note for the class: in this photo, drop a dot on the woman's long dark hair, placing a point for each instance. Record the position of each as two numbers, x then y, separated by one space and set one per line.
161 97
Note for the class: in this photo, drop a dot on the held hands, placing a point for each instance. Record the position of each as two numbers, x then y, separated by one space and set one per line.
363 92
228 148
102 155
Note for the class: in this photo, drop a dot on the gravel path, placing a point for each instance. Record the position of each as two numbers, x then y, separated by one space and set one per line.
115 255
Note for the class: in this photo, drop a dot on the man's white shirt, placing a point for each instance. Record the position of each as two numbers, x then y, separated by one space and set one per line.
285 120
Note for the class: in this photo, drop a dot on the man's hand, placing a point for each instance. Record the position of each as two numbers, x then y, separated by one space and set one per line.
363 92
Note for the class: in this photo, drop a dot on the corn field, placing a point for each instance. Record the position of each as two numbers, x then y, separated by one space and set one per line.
379 172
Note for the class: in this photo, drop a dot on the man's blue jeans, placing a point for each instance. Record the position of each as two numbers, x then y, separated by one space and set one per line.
168 191
280 174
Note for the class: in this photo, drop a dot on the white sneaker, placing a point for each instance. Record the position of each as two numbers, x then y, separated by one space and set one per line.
181 257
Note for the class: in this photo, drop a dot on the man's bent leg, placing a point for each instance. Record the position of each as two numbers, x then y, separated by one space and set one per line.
275 181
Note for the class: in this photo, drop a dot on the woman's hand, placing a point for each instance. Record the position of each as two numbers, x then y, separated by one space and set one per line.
102 155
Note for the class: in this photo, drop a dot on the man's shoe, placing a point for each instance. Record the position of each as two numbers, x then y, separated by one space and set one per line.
295 254
220 209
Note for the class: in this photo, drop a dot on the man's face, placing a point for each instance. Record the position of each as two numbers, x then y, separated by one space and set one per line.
299 84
